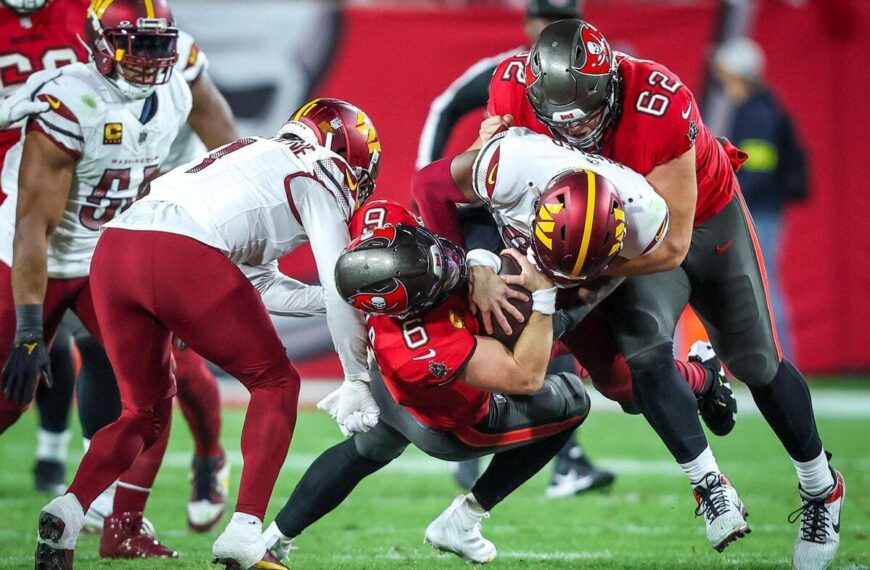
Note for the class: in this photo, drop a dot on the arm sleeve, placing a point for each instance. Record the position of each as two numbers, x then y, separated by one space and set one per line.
328 234
192 61
282 295
437 195
470 91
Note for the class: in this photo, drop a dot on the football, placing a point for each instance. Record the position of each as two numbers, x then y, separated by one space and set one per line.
509 266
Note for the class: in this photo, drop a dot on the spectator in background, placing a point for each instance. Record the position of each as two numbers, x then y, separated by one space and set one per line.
573 473
775 174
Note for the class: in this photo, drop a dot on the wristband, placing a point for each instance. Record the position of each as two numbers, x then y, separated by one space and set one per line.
483 258
544 301
28 322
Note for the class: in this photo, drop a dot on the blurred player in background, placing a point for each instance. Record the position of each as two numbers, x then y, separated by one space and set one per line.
44 36
573 472
439 383
182 261
637 112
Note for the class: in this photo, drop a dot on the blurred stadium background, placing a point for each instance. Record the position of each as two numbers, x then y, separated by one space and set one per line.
392 58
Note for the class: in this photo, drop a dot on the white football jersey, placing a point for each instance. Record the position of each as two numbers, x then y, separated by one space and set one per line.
514 167
256 200
116 155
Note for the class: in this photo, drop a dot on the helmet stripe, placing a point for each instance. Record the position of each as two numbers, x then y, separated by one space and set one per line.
587 230
304 109
149 8
99 6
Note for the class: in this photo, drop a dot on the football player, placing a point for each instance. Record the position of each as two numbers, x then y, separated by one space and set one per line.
182 261
109 125
38 35
440 385
637 112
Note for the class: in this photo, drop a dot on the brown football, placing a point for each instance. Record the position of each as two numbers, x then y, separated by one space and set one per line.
509 266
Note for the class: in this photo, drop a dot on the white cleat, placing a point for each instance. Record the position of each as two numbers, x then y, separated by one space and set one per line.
240 546
819 533
457 530
210 478
724 513
102 508
277 543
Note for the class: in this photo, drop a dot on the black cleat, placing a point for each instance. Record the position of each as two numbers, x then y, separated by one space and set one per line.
48 476
576 475
717 406
50 556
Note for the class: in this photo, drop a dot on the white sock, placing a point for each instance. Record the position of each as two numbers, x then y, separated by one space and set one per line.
51 446
245 518
700 466
102 505
814 475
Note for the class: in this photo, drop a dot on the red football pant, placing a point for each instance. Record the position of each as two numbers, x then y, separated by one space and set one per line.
60 295
593 345
200 401
148 285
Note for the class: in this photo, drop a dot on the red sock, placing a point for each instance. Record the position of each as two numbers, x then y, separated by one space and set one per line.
199 399
698 377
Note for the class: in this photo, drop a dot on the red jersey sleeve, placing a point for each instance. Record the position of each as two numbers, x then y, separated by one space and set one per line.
507 88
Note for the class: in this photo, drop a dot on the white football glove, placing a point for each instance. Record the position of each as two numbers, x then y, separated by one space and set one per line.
13 109
352 407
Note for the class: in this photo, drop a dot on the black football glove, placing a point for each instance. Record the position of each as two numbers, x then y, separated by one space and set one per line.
26 366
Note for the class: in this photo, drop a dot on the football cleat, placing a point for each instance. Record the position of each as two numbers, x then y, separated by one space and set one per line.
457 530
575 475
717 406
241 546
819 533
277 543
723 511
48 476
59 525
210 477
465 473
124 537
102 508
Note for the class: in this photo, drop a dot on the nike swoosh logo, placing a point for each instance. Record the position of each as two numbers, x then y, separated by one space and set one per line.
836 526
351 183
491 178
685 114
52 102
720 249
429 354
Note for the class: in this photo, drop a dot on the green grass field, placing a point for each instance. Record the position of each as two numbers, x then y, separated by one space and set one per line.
645 521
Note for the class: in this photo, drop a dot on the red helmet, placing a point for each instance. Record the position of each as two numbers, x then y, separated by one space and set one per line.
133 41
579 225
347 131
379 213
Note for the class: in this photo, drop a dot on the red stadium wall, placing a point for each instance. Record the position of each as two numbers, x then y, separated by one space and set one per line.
393 62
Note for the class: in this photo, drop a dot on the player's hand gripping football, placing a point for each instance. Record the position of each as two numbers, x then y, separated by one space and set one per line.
27 365
492 125
14 108
530 278
490 296
352 407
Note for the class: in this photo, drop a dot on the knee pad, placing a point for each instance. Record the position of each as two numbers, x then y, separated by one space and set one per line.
647 366
379 444
753 368
569 388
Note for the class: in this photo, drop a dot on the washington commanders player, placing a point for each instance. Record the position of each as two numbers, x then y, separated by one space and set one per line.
573 87
439 384
36 35
182 261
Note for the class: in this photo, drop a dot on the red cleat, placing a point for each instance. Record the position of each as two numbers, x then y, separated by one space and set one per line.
123 537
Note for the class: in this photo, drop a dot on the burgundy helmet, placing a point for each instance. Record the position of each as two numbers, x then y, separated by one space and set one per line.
132 40
347 131
399 270
578 227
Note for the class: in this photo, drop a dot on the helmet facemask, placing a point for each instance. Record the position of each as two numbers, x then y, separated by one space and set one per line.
24 7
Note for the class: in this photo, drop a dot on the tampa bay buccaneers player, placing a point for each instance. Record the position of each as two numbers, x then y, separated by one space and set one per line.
572 86
46 34
439 383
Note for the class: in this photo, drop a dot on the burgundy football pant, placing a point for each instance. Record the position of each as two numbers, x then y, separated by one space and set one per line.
148 285
200 401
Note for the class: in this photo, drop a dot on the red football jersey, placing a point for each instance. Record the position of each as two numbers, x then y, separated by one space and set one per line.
46 39
421 358
659 121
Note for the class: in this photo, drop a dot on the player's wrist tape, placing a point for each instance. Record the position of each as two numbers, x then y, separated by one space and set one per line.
28 322
544 301
483 258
